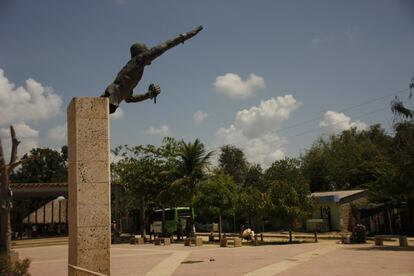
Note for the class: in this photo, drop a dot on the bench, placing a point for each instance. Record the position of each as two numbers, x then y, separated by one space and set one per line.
212 236
193 240
159 241
137 240
224 242
379 239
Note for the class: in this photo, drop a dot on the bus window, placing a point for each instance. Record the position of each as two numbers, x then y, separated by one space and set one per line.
156 216
170 214
184 213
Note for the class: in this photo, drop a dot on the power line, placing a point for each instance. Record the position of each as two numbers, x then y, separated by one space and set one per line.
343 110
316 129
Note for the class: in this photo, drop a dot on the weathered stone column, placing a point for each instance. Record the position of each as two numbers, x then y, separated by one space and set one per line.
89 186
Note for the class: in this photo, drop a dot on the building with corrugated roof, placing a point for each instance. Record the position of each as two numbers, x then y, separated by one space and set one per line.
336 210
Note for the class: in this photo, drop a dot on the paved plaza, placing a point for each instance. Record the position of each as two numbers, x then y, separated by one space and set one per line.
324 258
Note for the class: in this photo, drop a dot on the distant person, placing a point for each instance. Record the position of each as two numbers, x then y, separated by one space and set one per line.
248 234
242 230
179 229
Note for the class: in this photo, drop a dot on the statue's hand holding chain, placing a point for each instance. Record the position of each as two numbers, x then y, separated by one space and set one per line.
154 90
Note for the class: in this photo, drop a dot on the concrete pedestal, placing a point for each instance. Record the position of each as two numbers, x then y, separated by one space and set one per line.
193 240
89 186
224 242
137 240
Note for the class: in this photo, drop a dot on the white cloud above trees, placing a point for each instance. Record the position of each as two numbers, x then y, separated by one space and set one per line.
162 131
32 102
199 117
254 130
28 136
19 105
58 134
335 122
233 86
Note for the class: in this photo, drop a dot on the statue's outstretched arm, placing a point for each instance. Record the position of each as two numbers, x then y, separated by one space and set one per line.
153 91
158 50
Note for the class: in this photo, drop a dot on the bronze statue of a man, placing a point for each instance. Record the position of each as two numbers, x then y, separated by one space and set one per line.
127 79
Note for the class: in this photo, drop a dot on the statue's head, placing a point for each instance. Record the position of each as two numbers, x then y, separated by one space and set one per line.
138 48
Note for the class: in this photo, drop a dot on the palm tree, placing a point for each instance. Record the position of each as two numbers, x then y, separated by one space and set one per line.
400 110
191 168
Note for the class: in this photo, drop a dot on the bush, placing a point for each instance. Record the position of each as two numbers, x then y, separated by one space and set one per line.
19 268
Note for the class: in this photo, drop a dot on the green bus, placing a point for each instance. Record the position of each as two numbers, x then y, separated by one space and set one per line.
173 218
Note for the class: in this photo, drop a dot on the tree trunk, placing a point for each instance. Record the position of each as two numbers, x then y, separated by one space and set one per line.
142 217
410 223
5 193
163 220
220 227
5 206
389 220
191 232
234 223
192 220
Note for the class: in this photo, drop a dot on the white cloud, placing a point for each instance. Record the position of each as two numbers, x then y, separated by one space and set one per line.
120 2
353 33
254 130
257 120
163 131
58 134
199 117
28 136
233 86
33 102
19 105
119 113
319 40
335 122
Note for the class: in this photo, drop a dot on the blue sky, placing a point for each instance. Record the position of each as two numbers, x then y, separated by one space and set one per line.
267 76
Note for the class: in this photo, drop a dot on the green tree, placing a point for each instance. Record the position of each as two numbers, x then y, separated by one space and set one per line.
254 177
216 196
138 174
170 195
396 184
192 162
252 205
315 165
45 166
289 201
349 160
233 162
286 169
404 161
401 111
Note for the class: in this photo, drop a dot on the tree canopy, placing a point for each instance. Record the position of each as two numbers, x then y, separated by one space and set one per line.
45 165
233 162
216 196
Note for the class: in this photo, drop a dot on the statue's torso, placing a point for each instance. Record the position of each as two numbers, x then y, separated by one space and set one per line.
130 75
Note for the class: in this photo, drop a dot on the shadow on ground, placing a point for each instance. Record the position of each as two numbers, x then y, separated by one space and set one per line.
383 248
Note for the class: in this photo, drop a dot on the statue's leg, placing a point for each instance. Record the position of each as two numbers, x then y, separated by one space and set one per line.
113 93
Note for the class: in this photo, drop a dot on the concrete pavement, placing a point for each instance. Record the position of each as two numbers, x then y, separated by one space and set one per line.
323 258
